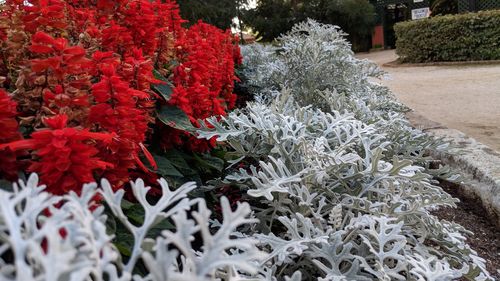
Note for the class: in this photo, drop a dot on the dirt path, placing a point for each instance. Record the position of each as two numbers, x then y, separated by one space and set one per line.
466 98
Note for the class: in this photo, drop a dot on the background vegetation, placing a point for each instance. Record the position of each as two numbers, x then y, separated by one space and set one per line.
216 12
272 18
472 36
444 7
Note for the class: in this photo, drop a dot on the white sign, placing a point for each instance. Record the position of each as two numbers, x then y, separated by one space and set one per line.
420 13
418 1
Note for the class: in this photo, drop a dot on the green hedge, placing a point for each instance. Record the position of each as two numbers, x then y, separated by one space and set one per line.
464 37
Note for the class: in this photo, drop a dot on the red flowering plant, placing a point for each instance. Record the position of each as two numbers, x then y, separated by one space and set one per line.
90 87
204 79
8 132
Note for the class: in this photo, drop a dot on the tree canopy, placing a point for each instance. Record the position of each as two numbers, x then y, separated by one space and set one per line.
216 12
273 17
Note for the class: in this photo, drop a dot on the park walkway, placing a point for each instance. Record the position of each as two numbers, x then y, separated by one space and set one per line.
466 97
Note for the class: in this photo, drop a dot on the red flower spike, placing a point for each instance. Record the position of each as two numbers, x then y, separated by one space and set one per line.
8 123
66 160
92 67
8 132
204 79
45 14
64 60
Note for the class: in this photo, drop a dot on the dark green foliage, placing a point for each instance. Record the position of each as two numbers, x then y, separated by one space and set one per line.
472 36
274 17
241 88
356 17
216 12
271 18
176 118
444 7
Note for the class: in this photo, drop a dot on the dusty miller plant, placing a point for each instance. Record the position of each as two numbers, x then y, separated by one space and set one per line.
46 237
340 181
316 65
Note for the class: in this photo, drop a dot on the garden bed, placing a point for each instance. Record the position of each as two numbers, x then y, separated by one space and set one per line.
320 177
470 214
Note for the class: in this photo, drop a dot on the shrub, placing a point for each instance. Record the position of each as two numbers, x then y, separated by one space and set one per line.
338 179
94 81
472 36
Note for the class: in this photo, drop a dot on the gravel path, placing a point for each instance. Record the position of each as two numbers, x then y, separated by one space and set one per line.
466 98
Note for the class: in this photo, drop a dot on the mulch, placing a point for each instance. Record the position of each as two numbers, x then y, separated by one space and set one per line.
471 215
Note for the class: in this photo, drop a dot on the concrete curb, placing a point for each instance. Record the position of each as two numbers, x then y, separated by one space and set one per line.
479 164
396 63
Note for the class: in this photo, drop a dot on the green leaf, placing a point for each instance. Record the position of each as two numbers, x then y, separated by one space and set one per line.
178 159
124 240
123 249
5 185
159 76
211 162
156 230
474 271
176 118
164 89
165 167
110 223
195 177
136 214
127 204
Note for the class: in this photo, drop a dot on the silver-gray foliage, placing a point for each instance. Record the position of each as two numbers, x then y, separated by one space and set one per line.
46 237
341 183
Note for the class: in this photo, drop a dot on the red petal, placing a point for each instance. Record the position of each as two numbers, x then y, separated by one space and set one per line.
57 122
149 156
59 142
19 145
42 37
39 65
139 163
81 101
41 49
103 165
74 51
104 137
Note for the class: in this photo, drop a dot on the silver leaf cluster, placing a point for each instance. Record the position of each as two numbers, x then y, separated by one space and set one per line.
46 237
341 183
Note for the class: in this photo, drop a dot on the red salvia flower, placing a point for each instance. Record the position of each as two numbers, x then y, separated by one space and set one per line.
116 112
204 79
8 124
138 70
117 38
61 59
140 19
8 133
45 14
66 156
88 66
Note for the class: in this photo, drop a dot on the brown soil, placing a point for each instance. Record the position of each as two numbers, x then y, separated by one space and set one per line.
471 215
